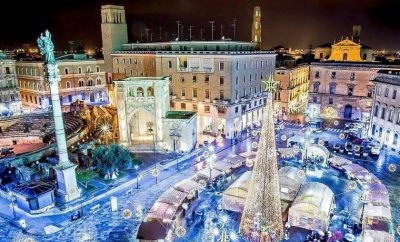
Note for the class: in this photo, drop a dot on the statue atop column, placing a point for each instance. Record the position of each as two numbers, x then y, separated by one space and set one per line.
65 170
46 47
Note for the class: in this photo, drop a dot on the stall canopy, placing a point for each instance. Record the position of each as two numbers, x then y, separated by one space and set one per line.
234 197
235 160
295 139
290 180
312 206
288 152
205 174
162 211
173 197
338 161
188 186
376 236
377 212
318 151
249 155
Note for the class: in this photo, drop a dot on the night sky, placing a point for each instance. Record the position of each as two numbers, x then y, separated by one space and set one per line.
291 23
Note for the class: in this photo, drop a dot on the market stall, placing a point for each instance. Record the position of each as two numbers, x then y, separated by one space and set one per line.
312 207
233 198
376 236
290 180
338 162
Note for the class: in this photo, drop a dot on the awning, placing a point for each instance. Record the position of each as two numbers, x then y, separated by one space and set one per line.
173 197
377 212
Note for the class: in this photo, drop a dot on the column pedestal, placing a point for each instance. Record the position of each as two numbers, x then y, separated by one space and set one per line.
67 186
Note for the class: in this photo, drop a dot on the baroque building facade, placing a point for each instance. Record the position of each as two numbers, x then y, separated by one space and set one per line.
145 119
81 79
292 97
385 115
10 101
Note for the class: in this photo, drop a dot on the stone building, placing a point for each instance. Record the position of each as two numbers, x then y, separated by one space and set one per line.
81 79
341 90
385 115
10 101
292 98
145 119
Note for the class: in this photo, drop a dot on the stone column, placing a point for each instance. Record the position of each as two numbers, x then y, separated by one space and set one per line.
65 170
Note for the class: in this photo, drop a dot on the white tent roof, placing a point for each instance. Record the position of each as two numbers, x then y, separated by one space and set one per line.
173 197
236 160
222 165
353 168
377 188
296 138
314 198
377 236
339 161
320 150
371 211
240 187
162 211
291 175
187 186
205 173
378 199
249 154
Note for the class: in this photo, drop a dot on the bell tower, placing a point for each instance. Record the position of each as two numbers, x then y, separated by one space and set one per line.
256 28
357 33
114 33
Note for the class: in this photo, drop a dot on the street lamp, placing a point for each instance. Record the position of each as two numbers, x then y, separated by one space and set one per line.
137 176
12 203
105 130
175 133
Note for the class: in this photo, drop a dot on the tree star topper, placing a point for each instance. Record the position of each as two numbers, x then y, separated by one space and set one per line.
270 84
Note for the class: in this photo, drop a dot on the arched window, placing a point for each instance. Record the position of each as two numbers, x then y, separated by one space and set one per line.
316 86
97 68
89 69
139 92
345 56
98 81
90 83
387 135
66 71
150 92
395 138
79 70
68 85
80 83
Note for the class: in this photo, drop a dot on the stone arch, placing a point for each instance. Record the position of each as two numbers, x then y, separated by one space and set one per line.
139 92
150 92
141 126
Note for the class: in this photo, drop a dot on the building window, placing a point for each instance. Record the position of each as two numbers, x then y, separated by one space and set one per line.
182 79
386 92
80 83
169 64
316 86
376 111
332 88
206 109
139 92
150 92
387 135
66 71
195 107
236 109
79 70
380 132
90 83
317 74
390 119
221 80
237 65
183 93
350 90
369 93
89 69
394 94
314 99
221 95
97 68
194 79
352 76
183 106
98 81
207 80
207 94
68 85
330 101
378 90
221 66
333 75
194 92
395 138
383 113
237 80
398 118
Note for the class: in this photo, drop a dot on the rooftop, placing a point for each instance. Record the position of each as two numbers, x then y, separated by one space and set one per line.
180 115
33 189
388 76
142 78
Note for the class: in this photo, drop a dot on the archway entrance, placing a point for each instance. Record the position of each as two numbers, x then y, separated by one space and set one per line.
92 99
142 127
348 109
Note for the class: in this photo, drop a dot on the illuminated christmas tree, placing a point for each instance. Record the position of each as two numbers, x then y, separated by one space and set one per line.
262 219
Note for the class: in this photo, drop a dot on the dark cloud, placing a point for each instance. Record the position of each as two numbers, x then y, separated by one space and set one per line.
291 23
